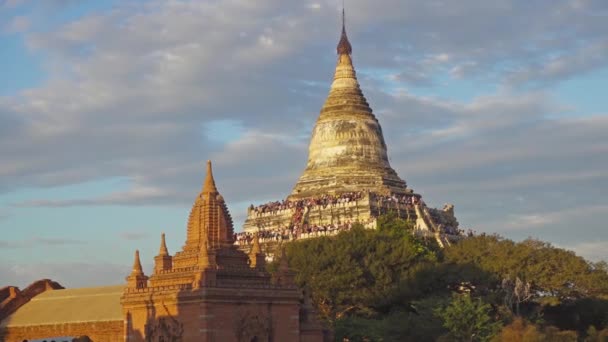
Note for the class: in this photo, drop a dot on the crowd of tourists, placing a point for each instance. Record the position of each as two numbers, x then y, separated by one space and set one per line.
450 230
295 232
388 200
324 201
327 200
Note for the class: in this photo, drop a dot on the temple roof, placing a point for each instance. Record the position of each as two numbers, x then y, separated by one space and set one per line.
96 304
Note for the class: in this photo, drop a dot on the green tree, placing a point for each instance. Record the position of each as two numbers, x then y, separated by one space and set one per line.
553 271
468 319
358 272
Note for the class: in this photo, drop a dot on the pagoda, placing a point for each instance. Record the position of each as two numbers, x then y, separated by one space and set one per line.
211 290
348 177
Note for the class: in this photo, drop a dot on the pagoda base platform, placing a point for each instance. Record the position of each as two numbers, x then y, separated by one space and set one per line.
287 224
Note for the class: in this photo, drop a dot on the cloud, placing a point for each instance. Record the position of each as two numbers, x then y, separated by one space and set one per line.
594 251
584 59
77 274
39 241
137 195
553 217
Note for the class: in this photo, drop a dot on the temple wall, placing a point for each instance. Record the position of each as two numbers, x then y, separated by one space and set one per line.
98 331
215 314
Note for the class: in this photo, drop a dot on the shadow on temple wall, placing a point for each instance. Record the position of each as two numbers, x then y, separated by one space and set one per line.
162 326
252 322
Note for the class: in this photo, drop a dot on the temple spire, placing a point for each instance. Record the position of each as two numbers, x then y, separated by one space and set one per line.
163 246
137 269
209 185
137 279
344 47
163 261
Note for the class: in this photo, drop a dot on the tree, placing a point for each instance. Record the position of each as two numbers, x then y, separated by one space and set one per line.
358 272
385 285
516 292
553 271
468 319
519 331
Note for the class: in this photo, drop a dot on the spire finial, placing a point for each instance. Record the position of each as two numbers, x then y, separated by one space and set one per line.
137 269
163 246
344 47
343 18
209 185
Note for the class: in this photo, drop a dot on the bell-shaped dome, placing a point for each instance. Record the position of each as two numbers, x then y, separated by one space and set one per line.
347 151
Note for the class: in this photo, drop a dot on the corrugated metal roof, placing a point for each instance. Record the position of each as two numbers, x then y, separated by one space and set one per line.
94 304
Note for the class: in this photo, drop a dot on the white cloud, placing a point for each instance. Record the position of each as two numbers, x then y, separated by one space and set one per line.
594 251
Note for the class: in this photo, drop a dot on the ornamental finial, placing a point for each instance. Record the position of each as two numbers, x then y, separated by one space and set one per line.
344 47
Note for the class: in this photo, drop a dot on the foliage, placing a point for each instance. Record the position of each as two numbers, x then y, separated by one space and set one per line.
387 284
518 331
522 331
552 271
593 335
468 319
357 271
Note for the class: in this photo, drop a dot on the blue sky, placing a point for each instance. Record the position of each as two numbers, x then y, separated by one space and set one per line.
109 109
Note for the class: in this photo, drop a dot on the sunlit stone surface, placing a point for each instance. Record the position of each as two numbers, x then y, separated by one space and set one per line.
347 151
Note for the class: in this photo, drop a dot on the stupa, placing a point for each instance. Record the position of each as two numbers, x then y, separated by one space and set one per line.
348 177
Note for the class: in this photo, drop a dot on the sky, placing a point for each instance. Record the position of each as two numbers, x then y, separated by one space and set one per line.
109 110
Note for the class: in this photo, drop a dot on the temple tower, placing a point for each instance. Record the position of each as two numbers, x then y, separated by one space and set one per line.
347 151
210 290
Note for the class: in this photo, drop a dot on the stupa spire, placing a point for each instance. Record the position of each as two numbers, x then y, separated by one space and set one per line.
344 47
209 184
137 279
163 261
163 246
137 269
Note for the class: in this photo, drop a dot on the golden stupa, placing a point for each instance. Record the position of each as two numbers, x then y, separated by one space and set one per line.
348 155
347 151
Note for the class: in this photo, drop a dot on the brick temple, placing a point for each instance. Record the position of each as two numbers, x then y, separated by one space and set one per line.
208 291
